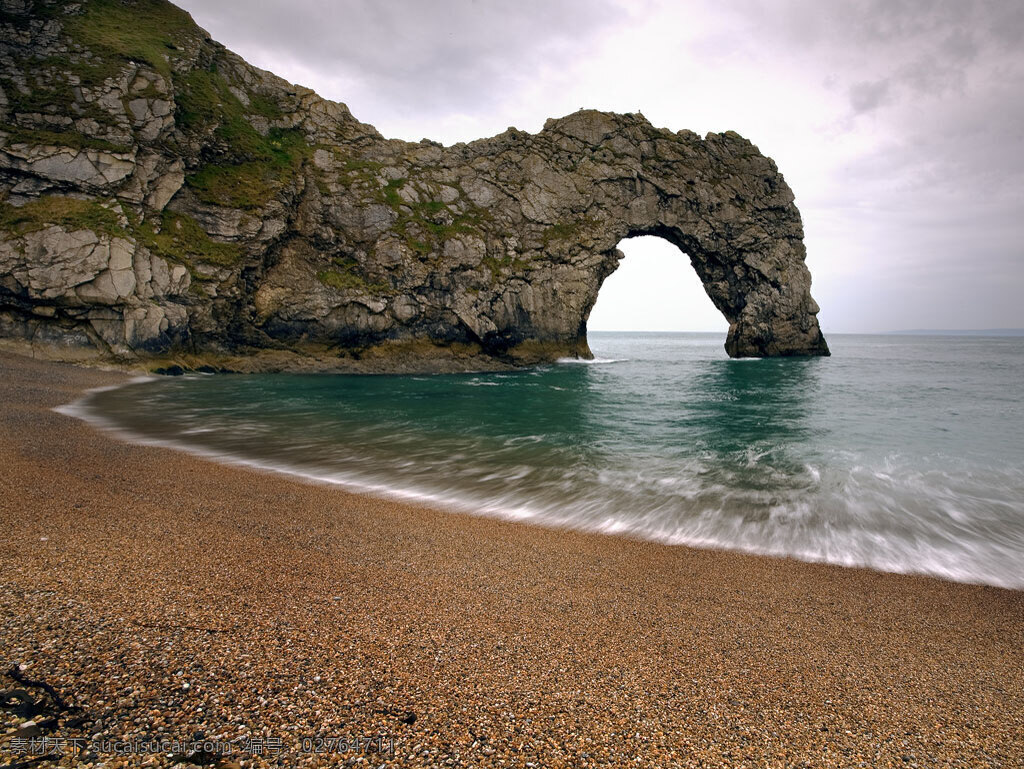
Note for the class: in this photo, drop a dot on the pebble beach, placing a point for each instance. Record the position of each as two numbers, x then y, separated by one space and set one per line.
159 609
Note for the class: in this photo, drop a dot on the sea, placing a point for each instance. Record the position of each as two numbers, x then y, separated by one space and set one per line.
898 453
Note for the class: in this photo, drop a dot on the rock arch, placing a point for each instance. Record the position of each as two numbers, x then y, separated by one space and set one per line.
592 179
313 241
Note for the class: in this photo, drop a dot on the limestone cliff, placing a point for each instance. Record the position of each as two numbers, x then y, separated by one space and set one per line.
163 199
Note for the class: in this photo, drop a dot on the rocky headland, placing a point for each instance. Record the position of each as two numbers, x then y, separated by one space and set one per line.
165 202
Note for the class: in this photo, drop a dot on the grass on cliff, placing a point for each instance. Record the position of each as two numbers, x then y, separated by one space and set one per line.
114 34
69 213
182 240
344 274
250 183
150 31
341 280
204 98
242 169
567 231
499 267
248 167
70 139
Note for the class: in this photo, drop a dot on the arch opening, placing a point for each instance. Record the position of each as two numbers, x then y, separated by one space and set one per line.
655 288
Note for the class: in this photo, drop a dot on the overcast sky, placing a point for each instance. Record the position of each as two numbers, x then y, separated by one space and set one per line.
899 124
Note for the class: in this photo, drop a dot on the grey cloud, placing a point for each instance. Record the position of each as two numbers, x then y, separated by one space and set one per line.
960 45
935 213
429 57
901 23
948 75
865 97
919 46
969 149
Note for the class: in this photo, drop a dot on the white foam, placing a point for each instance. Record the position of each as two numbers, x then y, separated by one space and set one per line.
75 408
591 361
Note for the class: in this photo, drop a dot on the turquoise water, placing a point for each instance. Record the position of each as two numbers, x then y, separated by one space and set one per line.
898 453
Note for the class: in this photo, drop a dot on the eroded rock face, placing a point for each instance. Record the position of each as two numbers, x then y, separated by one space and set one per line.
194 205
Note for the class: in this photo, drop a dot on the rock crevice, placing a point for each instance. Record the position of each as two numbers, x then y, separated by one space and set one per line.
164 199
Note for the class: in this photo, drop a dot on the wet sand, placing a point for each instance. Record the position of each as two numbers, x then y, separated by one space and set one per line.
161 594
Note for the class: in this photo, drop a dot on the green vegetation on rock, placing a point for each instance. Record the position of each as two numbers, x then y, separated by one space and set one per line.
110 36
344 274
249 167
150 31
251 183
390 193
567 231
499 267
70 213
357 173
181 239
340 280
114 34
71 139
424 225
204 99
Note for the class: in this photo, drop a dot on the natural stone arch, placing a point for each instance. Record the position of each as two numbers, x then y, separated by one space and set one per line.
718 200
767 318
309 240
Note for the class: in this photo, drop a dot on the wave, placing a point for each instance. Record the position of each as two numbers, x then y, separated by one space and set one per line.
843 523
591 361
